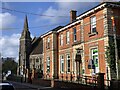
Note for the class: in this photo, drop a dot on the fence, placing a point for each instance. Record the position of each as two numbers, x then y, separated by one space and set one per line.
88 80
94 81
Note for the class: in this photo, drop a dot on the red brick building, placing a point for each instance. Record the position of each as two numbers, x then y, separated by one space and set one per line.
90 32
50 53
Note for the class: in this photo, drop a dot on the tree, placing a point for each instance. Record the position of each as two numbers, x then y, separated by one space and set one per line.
9 65
110 56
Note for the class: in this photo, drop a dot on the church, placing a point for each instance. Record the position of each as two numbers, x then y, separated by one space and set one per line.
30 53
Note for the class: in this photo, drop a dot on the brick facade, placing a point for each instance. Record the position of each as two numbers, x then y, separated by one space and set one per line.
50 54
85 40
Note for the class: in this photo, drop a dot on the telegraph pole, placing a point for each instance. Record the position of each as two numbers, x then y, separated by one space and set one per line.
116 50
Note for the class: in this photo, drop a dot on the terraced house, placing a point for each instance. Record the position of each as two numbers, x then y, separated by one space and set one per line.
79 48
81 44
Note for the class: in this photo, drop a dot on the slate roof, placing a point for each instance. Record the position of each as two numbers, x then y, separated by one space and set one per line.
55 29
37 46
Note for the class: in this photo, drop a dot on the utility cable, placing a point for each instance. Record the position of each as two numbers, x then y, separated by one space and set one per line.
33 13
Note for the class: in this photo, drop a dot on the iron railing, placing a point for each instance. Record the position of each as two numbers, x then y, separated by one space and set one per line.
80 79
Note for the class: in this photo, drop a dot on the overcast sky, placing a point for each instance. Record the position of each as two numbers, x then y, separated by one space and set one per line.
42 17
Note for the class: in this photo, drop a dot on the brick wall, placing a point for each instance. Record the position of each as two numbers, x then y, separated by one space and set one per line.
84 40
42 82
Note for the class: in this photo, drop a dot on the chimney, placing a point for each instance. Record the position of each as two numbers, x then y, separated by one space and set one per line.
72 15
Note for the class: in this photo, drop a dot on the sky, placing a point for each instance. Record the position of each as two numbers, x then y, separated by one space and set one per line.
42 17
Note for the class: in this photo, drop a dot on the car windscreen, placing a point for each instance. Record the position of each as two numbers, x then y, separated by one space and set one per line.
7 87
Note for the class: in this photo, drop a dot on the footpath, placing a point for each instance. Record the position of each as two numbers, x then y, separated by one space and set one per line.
37 87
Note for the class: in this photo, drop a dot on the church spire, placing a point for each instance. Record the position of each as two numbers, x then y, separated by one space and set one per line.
26 23
25 32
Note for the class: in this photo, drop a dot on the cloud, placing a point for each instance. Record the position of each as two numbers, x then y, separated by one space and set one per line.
6 20
63 9
69 5
10 45
54 12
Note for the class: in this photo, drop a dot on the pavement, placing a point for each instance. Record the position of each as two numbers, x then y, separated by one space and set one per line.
37 87
31 85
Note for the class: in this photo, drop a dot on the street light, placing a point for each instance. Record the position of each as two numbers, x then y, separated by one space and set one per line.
115 41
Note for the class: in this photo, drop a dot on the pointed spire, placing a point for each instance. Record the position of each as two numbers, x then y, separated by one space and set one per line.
26 23
25 32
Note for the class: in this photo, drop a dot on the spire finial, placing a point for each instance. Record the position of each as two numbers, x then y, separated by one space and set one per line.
26 23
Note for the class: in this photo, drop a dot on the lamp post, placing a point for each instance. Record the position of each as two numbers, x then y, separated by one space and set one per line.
115 41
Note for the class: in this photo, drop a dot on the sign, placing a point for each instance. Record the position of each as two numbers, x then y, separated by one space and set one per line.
91 64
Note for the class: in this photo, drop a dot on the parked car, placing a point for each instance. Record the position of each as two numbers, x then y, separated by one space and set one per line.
6 86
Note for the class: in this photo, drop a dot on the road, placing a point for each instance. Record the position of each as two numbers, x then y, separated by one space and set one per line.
20 86
26 86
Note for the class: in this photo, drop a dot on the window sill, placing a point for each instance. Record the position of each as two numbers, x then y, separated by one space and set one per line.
61 72
67 43
67 72
76 43
92 34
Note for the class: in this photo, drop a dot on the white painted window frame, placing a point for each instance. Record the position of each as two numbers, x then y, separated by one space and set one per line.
68 37
61 39
48 42
68 59
93 23
92 49
62 63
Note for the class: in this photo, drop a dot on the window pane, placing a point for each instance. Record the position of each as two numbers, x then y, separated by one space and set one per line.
37 60
48 39
94 56
74 34
48 64
74 30
94 29
48 43
61 63
67 37
93 24
61 39
68 63
62 67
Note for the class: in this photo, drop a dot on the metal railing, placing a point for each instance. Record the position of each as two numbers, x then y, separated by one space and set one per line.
79 79
88 80
107 83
